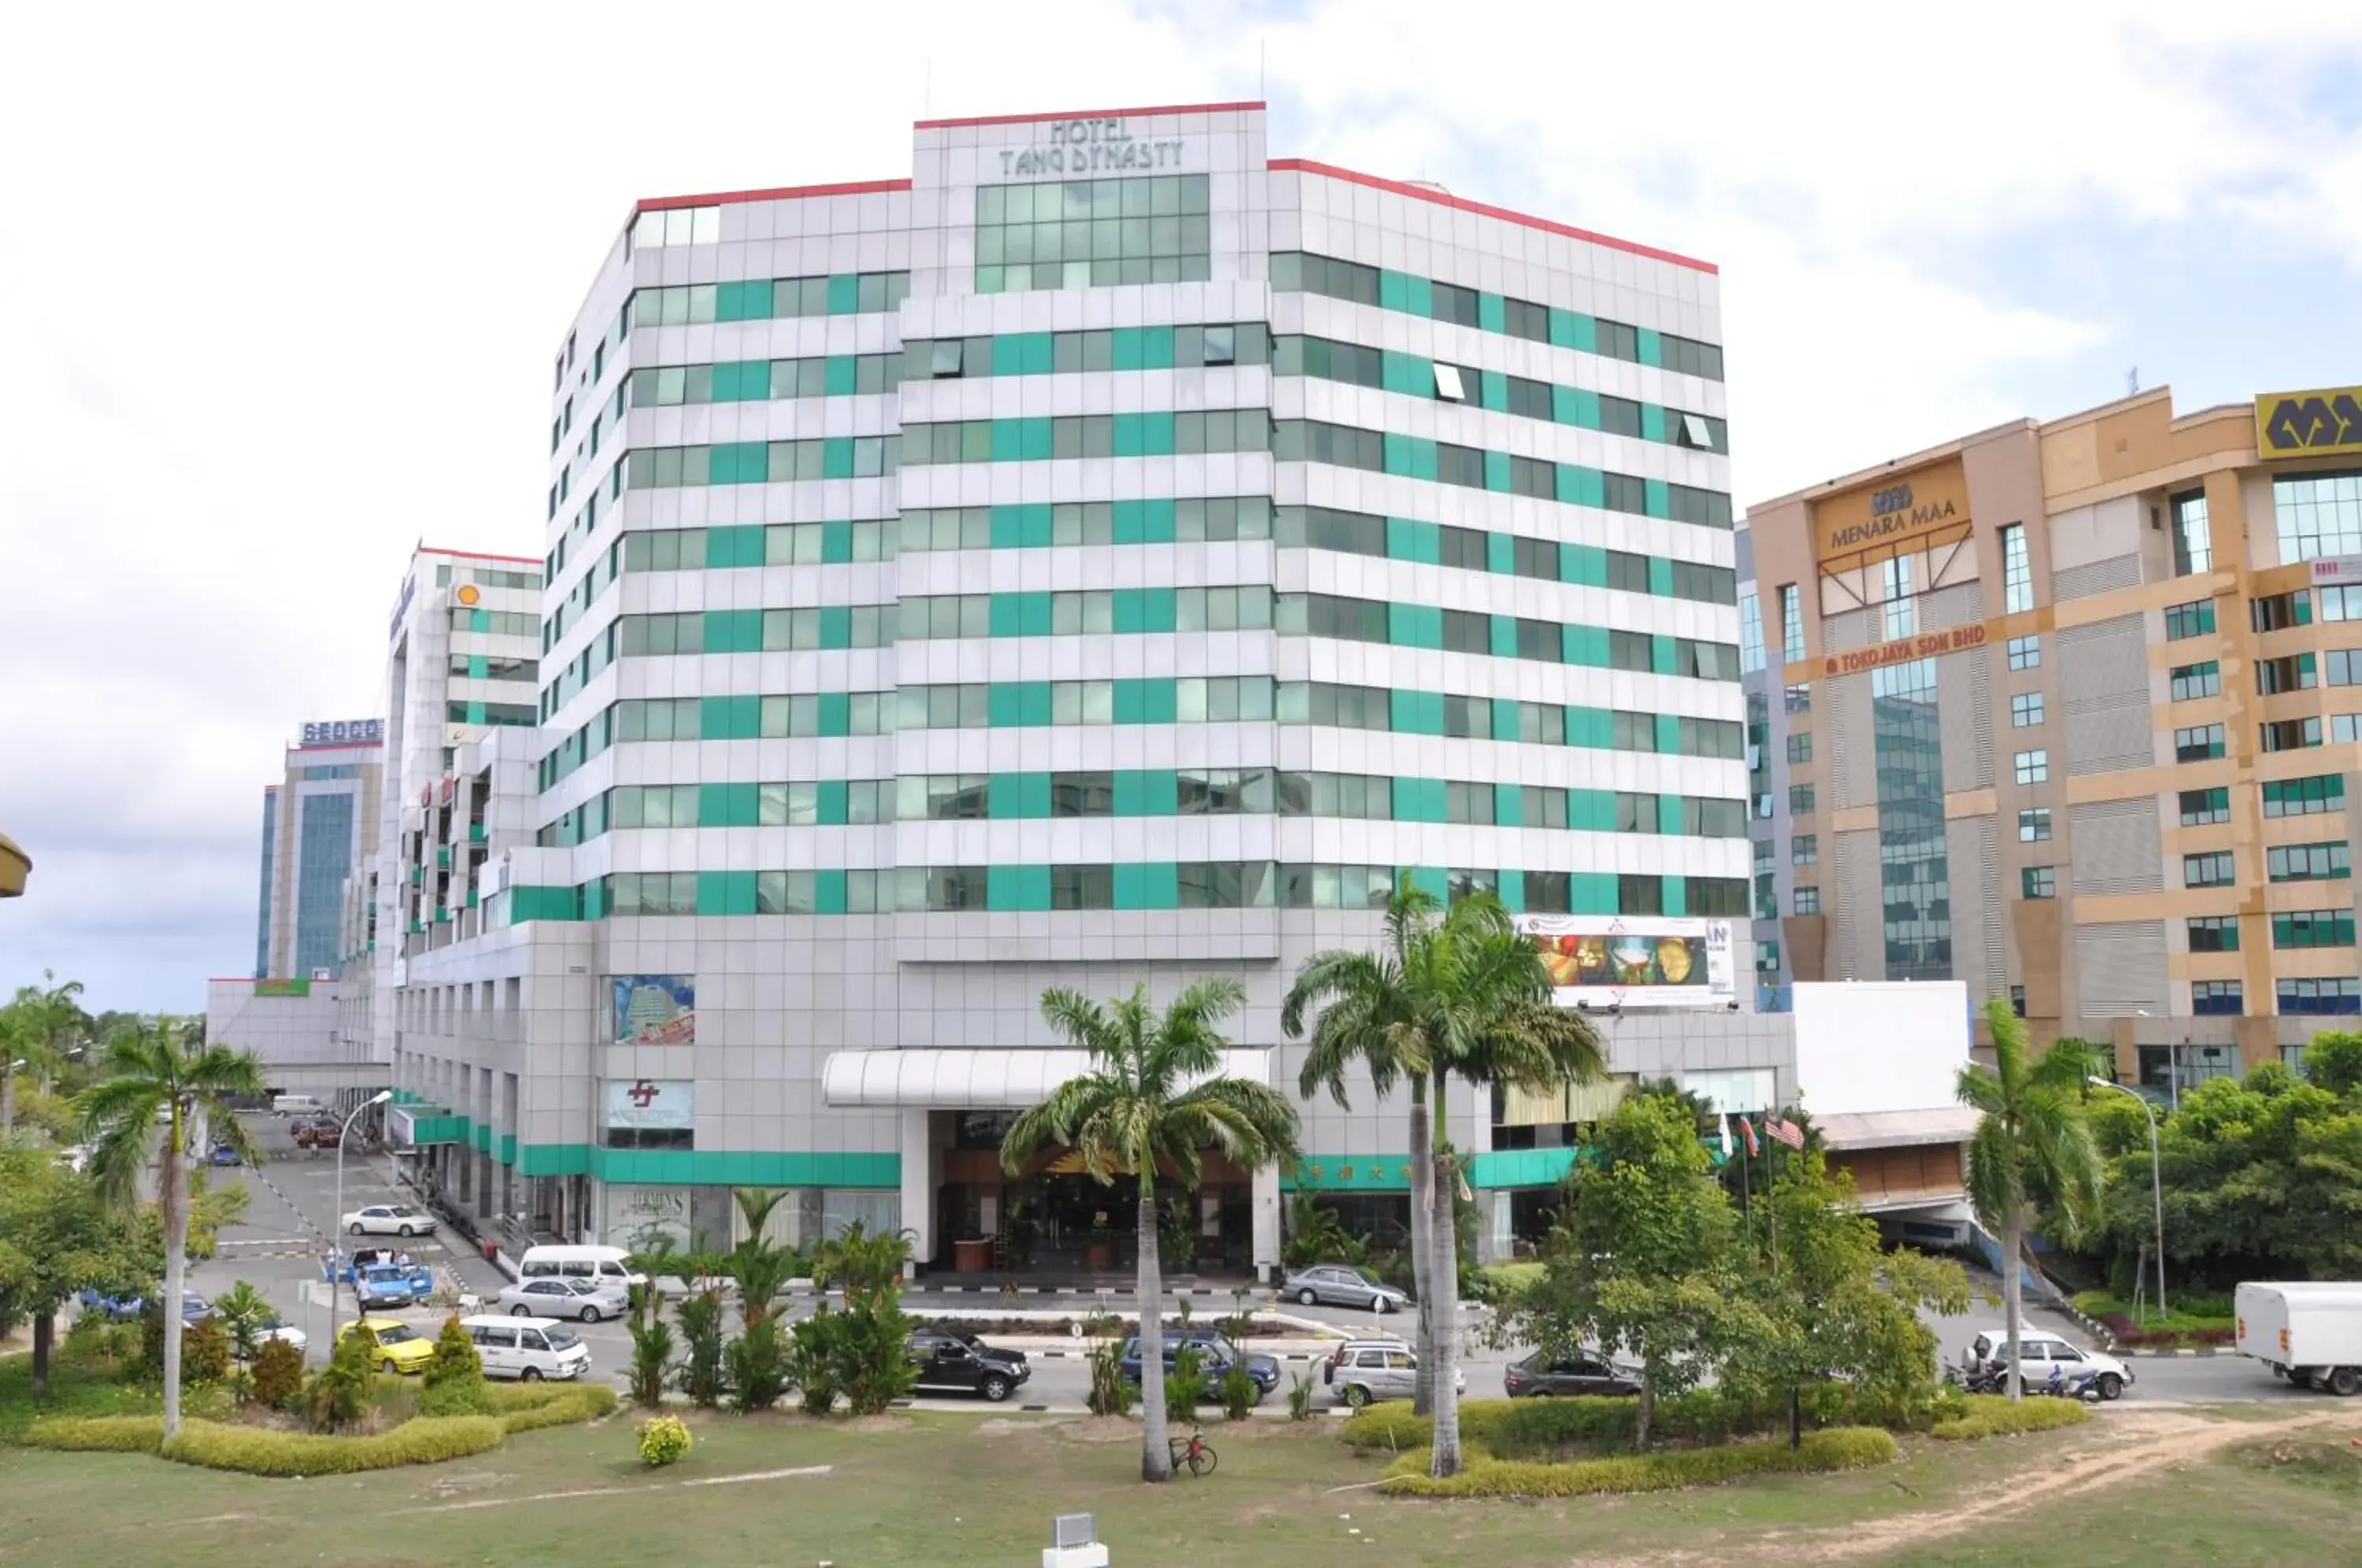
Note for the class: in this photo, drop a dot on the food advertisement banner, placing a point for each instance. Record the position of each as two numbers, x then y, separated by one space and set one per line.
1634 960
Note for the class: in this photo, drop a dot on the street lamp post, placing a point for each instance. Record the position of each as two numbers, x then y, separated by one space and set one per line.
2156 1181
377 1099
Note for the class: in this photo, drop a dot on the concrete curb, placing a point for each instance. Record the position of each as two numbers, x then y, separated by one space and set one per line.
2185 1351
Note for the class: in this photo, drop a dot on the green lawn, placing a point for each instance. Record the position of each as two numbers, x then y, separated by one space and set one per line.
2095 1303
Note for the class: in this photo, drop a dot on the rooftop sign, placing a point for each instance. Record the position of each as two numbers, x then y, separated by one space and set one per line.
1082 148
344 732
2323 423
1892 513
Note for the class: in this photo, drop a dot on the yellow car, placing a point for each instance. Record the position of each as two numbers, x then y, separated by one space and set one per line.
397 1347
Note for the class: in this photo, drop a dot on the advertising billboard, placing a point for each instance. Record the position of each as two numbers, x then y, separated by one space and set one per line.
655 1009
1634 960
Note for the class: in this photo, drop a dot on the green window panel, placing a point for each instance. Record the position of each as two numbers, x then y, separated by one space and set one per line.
1652 347
1677 895
1419 297
725 384
1493 391
734 631
1417 712
726 892
477 665
1592 811
1419 800
1020 526
1409 374
1586 645
1669 816
836 542
1035 445
844 294
1018 704
554 1159
1659 501
840 376
1496 472
1433 881
508 1153
1652 422
836 712
836 458
1145 609
1504 635
1147 792
1495 1169
1143 522
832 803
727 805
1492 315
1575 406
1146 701
730 718
1415 625
739 462
594 901
836 625
1669 733
1661 653
1508 808
1500 552
1571 329
828 891
1147 885
1017 887
1019 795
1393 290
480 620
540 903
1505 719
1411 456
1007 440
1593 892
741 545
1144 434
1142 348
1511 890
1660 576
1580 486
1020 615
748 300
1585 564
1408 539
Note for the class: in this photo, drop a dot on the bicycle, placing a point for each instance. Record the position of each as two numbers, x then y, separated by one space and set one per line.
1194 1452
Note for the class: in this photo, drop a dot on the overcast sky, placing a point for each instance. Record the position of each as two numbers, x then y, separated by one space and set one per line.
285 282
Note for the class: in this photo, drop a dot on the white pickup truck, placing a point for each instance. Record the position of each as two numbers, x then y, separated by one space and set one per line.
2309 1331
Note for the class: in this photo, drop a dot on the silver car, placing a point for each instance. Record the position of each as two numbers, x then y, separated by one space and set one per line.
585 1300
1363 1371
1342 1285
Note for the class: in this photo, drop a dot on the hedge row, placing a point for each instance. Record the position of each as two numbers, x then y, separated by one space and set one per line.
530 1406
258 1450
1991 1415
1391 1426
1514 1428
1834 1448
97 1434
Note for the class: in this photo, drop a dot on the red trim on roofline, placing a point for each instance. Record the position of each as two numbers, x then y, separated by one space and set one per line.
477 555
782 193
1089 115
1461 203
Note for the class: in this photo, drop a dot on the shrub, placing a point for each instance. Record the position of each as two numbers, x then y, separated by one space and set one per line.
97 1434
455 1357
258 1452
1836 1448
151 1337
530 1406
1537 1428
1112 1393
701 1333
1185 1385
1238 1392
338 1394
759 1372
1991 1415
1391 1425
456 1397
663 1440
205 1352
873 1353
1300 1396
279 1374
812 1362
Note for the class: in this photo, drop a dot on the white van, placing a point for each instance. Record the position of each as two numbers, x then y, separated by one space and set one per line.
604 1264
297 1105
528 1348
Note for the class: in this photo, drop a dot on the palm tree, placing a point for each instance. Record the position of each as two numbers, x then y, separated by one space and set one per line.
1154 1094
161 1084
2032 1132
43 1020
1467 996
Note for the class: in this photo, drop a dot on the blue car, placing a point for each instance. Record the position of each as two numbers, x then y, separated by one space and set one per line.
120 1309
1216 1356
390 1285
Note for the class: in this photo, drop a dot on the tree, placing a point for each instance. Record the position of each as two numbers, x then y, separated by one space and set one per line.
2031 1129
242 1310
2333 1062
41 1023
1154 1094
762 1267
1648 1257
57 1238
160 1083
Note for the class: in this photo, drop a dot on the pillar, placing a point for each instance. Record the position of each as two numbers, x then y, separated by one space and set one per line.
919 1187
1494 1240
483 1162
1264 1195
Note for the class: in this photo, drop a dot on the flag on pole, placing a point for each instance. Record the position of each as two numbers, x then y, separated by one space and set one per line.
1747 1127
1722 1125
1787 1132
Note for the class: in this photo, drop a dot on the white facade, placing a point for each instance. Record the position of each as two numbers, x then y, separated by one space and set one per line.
921 633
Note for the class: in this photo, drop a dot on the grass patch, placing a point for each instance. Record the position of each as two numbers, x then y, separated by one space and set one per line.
74 1390
2333 1463
262 1451
2213 1313
1835 1447
1991 1415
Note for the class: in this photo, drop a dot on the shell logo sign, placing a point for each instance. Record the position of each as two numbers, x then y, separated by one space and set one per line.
469 594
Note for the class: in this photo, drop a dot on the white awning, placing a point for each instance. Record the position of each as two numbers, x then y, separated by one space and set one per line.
975 1079
1893 1129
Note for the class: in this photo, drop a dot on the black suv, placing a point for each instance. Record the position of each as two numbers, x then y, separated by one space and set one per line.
956 1362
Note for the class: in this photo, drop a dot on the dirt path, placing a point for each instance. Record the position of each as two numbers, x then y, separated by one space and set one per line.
2131 1446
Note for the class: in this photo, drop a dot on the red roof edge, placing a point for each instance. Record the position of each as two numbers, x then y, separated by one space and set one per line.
477 555
1461 203
780 194
1090 114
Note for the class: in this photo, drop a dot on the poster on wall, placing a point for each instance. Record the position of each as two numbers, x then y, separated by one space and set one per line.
670 1103
1634 960
655 1009
636 1216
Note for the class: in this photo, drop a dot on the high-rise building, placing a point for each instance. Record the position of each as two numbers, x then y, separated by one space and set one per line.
2053 708
314 831
1106 556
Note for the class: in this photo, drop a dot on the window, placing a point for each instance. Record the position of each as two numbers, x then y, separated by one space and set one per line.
2193 620
2305 797
1750 632
1901 618
2201 808
2212 869
2313 928
2033 767
1792 624
2039 881
2339 603
2016 570
2193 549
2277 612
1796 698
2292 673
2198 743
1799 747
2024 708
1448 386
1094 233
2327 995
2213 934
2024 653
2307 862
2319 515
2191 681
1808 900
1799 800
1804 849
2033 824
676 226
2210 998
2291 735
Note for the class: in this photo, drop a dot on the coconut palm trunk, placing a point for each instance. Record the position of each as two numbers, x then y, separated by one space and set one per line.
2013 1276
1156 1449
1423 1265
8 1096
1443 1285
171 1199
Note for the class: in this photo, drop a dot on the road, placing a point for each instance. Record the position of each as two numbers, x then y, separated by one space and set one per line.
291 1217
